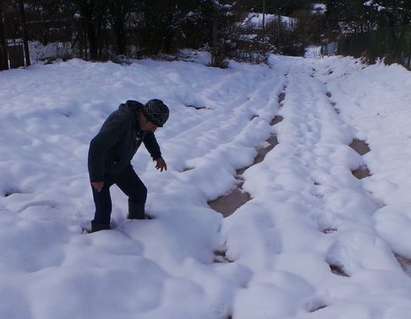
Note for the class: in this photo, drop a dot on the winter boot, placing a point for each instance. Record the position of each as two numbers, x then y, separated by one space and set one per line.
135 210
97 227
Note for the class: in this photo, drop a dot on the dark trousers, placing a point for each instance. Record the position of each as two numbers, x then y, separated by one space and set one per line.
131 185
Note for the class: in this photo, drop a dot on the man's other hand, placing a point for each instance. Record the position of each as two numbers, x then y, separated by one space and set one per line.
98 186
161 164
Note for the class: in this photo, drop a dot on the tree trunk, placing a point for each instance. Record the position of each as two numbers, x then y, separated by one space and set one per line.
25 36
401 40
89 29
92 39
214 49
99 38
120 36
4 65
263 20
278 28
167 45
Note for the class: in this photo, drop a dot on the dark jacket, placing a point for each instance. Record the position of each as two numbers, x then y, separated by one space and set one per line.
112 149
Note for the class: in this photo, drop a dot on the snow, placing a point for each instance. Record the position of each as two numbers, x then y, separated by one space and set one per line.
54 50
378 110
307 210
392 223
371 3
313 52
255 20
319 8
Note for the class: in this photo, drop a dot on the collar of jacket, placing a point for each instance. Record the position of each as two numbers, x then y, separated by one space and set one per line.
135 107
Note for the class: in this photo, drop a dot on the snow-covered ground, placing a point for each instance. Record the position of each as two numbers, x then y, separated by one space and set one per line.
307 210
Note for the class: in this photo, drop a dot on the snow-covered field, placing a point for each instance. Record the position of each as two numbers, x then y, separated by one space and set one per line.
314 242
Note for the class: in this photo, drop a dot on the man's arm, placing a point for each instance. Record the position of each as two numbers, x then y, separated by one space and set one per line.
150 142
108 136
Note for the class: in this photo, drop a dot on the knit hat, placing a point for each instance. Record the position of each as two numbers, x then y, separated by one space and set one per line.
156 112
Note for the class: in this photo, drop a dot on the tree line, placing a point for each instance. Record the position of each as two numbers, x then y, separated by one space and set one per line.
101 29
371 29
105 29
98 27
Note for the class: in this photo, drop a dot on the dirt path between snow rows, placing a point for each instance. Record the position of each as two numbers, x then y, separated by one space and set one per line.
229 203
362 148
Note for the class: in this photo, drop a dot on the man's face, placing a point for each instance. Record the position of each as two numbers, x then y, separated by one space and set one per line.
150 127
146 125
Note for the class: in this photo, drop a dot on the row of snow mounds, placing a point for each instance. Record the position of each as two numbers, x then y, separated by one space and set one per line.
308 214
360 93
375 100
160 268
308 235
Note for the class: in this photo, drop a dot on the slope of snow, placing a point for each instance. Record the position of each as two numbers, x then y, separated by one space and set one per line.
307 210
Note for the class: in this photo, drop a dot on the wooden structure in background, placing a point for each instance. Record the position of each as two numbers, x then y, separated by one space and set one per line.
16 55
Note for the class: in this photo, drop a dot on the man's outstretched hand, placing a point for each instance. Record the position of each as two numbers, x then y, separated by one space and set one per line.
98 186
161 164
